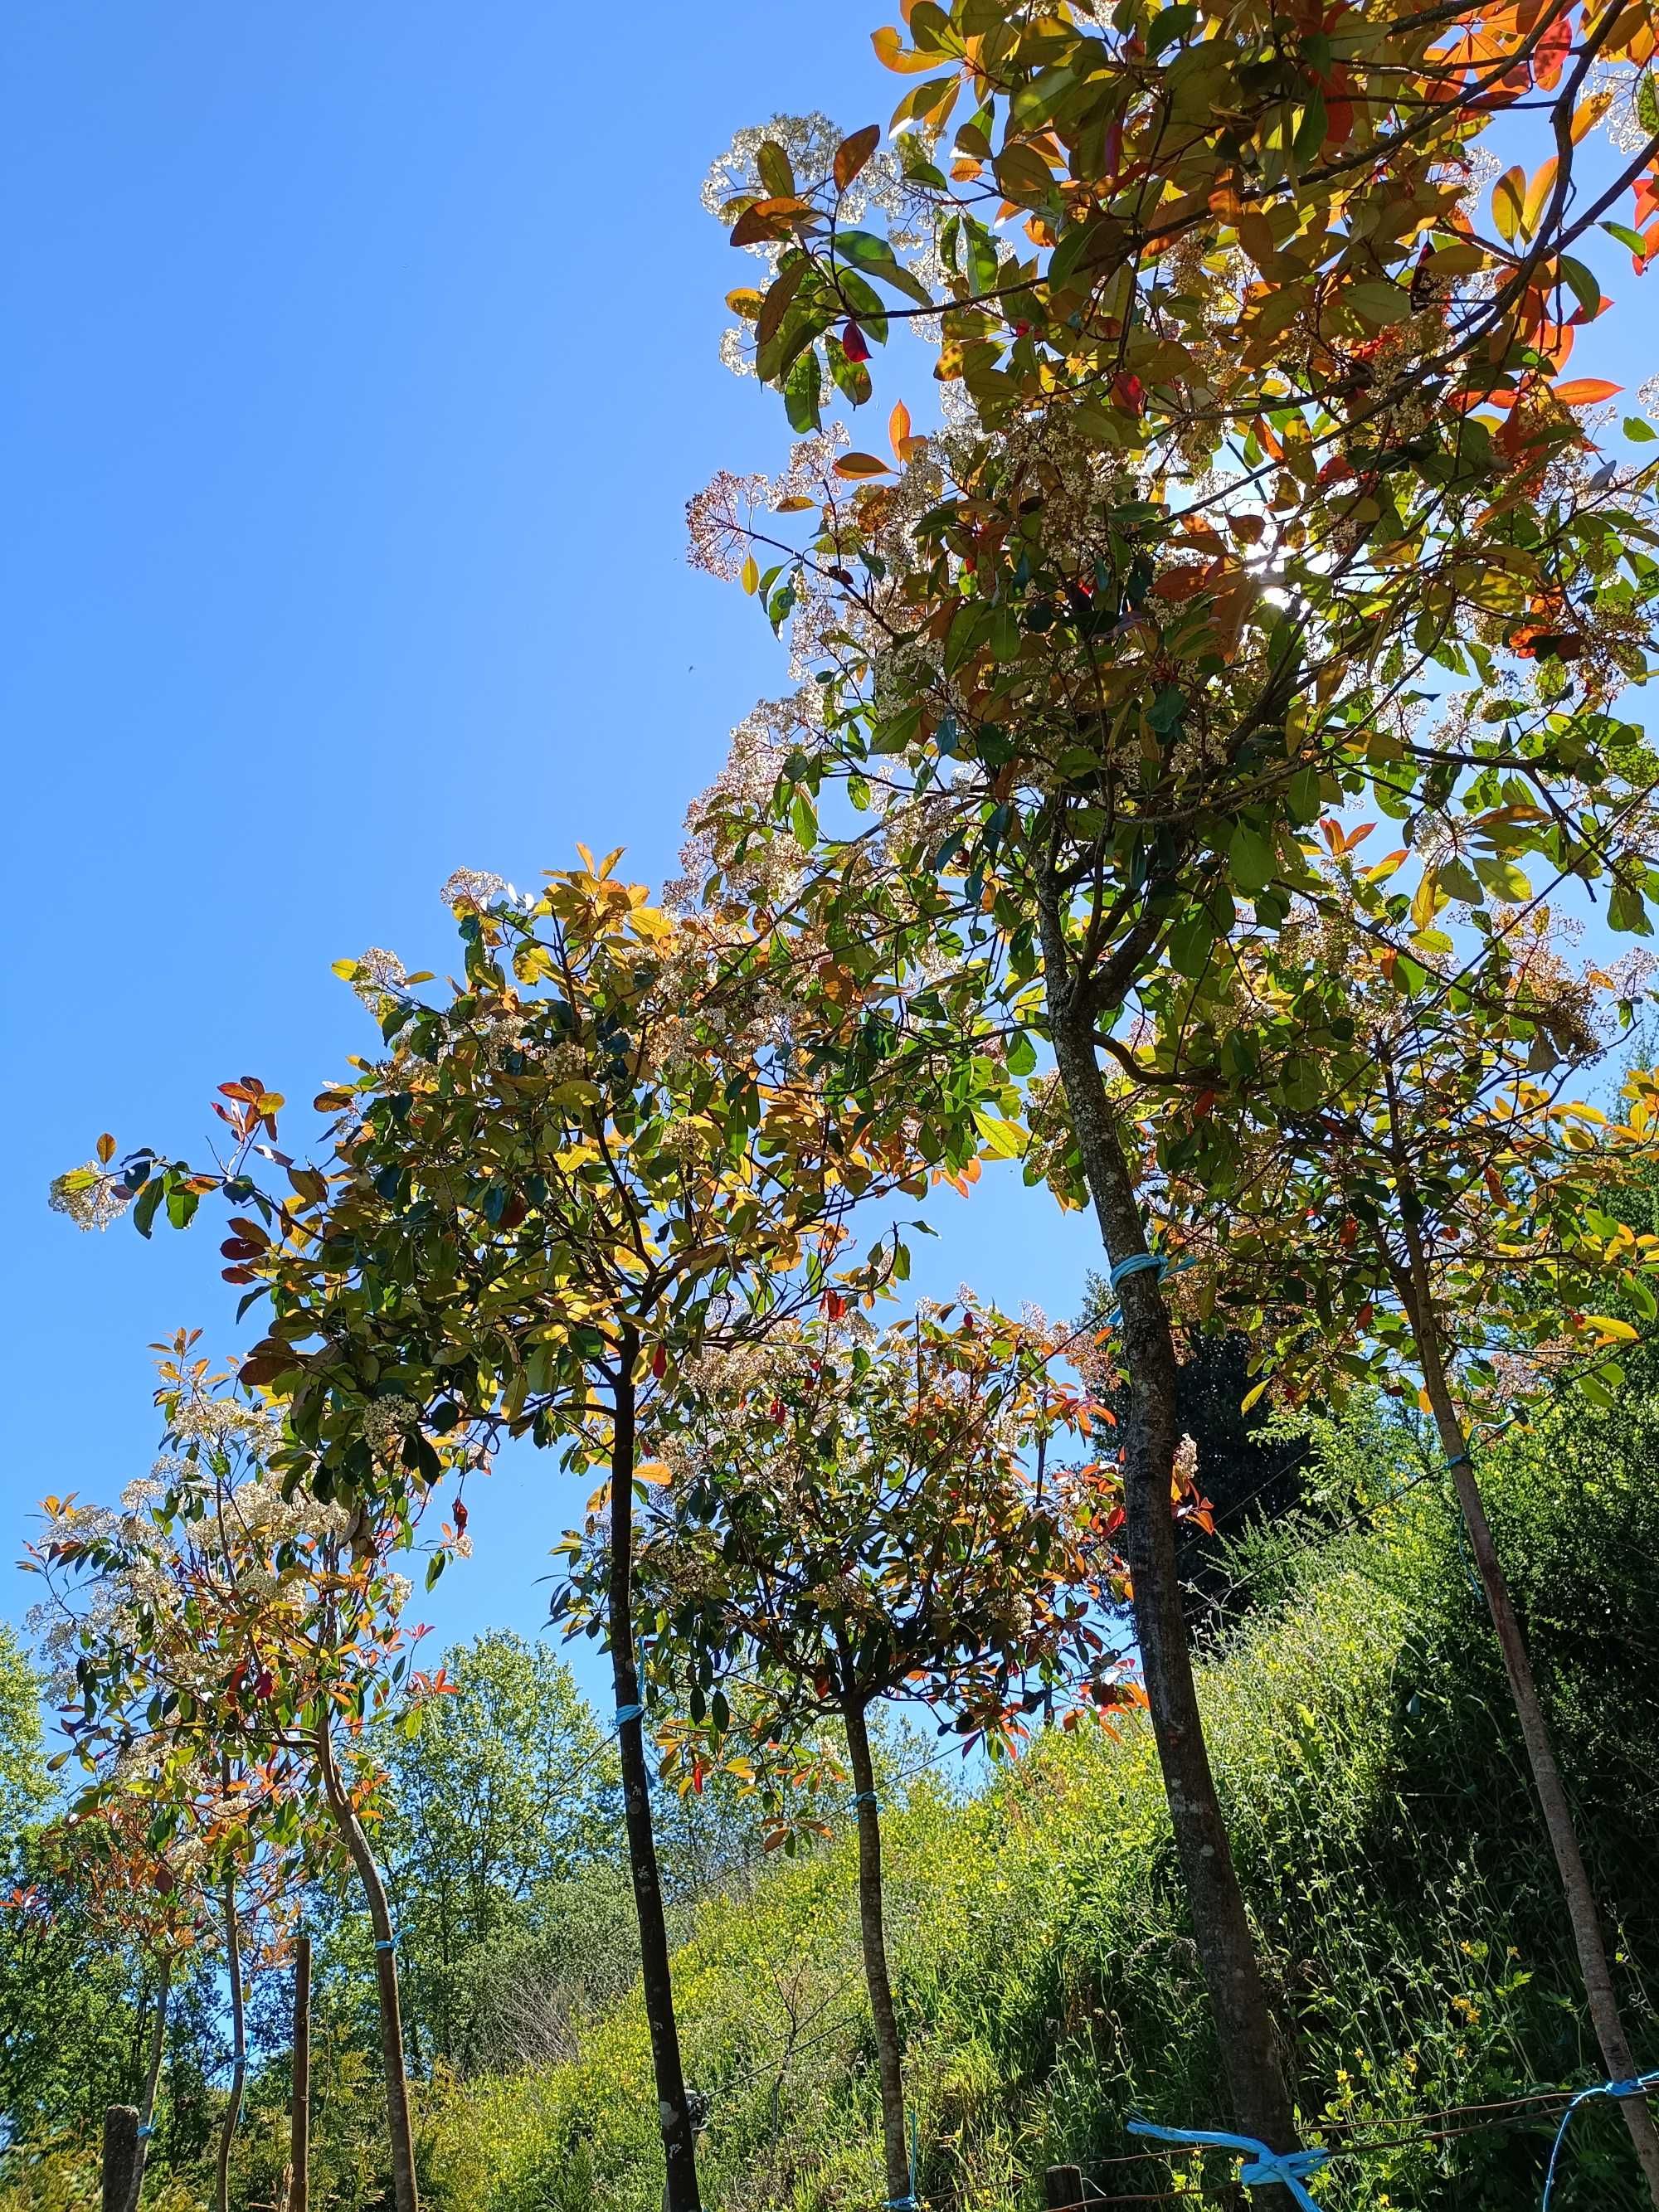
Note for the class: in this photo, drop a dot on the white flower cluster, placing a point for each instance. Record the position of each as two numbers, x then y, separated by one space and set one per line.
1621 82
381 975
386 1422
91 1196
809 142
478 891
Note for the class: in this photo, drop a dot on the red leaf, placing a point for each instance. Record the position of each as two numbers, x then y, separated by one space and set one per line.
854 344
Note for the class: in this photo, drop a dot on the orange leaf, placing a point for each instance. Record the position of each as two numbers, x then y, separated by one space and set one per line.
1585 391
861 465
898 427
852 153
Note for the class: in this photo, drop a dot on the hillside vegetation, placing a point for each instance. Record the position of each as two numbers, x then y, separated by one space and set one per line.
1386 1833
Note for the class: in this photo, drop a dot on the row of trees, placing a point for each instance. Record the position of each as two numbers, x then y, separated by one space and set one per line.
1264 510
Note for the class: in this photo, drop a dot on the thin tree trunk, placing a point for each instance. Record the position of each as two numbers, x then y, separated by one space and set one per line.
238 2044
299 2130
1586 1923
158 2040
1250 2039
888 2058
673 2107
385 1975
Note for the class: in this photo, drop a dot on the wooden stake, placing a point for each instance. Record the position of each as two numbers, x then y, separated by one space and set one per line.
1063 2188
120 2155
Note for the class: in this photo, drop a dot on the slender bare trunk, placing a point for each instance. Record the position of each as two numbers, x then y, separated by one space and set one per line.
1251 2046
673 2107
386 1974
158 2044
1588 1938
888 2058
299 2130
238 2044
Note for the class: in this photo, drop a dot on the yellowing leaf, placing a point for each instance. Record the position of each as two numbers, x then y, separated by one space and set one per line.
751 575
1004 1139
1509 200
1537 192
891 53
1610 1326
861 465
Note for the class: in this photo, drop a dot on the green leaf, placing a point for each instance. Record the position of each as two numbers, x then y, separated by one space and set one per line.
1581 282
144 1213
1251 860
1169 25
1639 430
1503 878
1005 1139
803 394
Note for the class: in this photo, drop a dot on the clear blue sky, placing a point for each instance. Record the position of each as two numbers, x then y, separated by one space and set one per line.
361 361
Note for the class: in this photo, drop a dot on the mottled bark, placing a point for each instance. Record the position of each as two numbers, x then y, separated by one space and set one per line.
299 2123
390 2008
890 2064
158 2044
1250 2042
673 2108
238 2046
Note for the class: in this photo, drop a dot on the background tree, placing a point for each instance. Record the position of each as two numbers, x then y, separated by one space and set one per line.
502 1800
222 1638
849 1519
1251 347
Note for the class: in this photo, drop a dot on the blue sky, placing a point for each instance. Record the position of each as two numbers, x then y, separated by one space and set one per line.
362 362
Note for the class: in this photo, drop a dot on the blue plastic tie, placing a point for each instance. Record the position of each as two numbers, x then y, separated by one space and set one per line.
389 1943
1638 2088
144 2132
866 1797
1138 1263
625 1713
1262 2167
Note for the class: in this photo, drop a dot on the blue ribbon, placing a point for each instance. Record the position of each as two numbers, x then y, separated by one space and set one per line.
144 2132
1138 1263
866 1797
625 1713
1261 2168
390 1943
1638 2088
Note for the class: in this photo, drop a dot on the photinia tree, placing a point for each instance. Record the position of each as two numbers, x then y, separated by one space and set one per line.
1258 454
225 1635
142 1896
605 1149
1391 1180
848 1515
